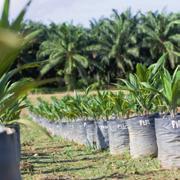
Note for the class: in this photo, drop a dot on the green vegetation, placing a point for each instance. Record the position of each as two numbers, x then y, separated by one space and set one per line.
55 158
148 90
109 49
104 105
13 92
65 49
11 43
145 100
169 91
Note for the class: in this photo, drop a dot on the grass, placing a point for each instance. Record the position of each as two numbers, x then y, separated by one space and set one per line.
54 159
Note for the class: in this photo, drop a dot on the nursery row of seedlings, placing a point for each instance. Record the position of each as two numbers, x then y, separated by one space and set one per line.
106 119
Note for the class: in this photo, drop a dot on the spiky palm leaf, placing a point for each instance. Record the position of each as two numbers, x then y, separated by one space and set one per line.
65 49
161 35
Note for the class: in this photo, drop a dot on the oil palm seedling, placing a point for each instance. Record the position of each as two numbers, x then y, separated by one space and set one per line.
56 111
145 104
11 43
122 106
45 107
91 108
169 90
77 105
145 100
167 126
141 97
117 126
105 104
70 109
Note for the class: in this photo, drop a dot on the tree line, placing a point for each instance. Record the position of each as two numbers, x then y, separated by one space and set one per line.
109 49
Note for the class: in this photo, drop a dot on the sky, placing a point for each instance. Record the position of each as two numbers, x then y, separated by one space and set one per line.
81 11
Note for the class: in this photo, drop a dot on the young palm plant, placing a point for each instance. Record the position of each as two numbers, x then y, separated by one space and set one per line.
91 108
142 128
105 104
122 107
144 99
168 91
11 44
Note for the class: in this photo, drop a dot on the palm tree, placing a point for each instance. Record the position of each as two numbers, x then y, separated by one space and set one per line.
160 34
117 46
28 55
64 50
97 70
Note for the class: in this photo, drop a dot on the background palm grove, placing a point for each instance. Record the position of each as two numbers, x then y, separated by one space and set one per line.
106 51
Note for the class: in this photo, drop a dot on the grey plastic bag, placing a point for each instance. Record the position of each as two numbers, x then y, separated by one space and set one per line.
57 129
168 141
70 128
63 130
34 117
142 136
101 135
9 158
79 132
90 133
118 136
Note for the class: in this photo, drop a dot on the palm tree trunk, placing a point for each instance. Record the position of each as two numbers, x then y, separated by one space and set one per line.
69 81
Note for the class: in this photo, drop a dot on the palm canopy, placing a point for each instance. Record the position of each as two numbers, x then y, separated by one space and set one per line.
161 35
109 49
116 41
65 49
